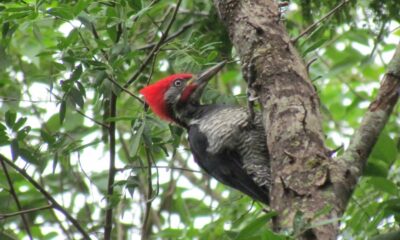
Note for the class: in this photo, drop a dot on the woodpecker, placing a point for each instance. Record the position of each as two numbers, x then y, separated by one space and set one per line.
225 141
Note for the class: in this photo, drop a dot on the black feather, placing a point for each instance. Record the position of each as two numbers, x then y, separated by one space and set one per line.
226 166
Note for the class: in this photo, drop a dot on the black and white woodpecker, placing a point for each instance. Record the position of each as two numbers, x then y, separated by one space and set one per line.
225 141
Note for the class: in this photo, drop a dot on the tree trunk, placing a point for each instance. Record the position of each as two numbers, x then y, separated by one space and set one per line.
308 186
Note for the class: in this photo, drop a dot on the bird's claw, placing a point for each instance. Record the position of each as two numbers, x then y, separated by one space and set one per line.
252 95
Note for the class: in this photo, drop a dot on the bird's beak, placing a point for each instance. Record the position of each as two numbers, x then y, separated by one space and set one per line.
202 78
199 82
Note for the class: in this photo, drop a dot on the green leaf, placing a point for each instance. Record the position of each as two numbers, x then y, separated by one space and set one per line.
169 233
8 235
17 15
120 118
55 162
384 185
81 88
11 116
2 128
36 32
28 156
113 200
392 206
389 47
62 111
4 140
14 149
80 6
23 133
97 64
131 184
385 148
19 123
18 9
76 97
212 56
376 168
135 4
72 38
387 236
64 13
197 207
314 46
53 124
76 74
48 138
255 226
137 131
5 28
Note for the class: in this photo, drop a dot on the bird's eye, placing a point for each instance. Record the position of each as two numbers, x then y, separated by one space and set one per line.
178 83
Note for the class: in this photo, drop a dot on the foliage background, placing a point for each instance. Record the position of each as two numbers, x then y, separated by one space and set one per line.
59 61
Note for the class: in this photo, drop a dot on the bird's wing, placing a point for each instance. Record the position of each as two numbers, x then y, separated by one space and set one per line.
226 166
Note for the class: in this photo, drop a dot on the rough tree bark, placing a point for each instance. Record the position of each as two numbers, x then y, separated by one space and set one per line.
307 181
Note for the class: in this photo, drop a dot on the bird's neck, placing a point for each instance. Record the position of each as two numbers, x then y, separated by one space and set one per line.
184 114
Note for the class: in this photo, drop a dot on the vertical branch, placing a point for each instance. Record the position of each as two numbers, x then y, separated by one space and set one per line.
14 195
111 171
146 228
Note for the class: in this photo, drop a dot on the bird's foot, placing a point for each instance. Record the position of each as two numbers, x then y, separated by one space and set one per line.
252 95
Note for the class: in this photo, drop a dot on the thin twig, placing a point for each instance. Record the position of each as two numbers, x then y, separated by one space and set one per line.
160 167
47 195
8 215
171 37
125 90
151 72
155 48
378 39
146 229
312 26
111 171
96 36
309 64
9 99
15 196
92 119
